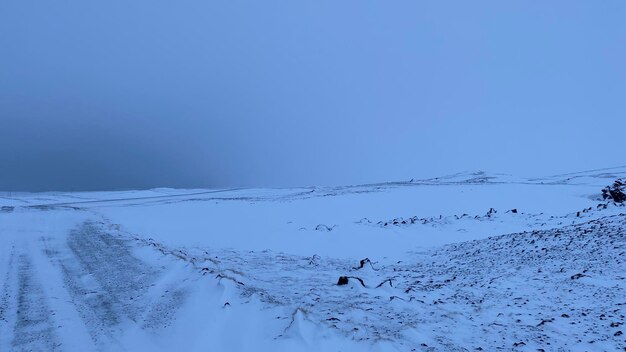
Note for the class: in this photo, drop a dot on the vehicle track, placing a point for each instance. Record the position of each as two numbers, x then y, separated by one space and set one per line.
89 279
34 328
106 281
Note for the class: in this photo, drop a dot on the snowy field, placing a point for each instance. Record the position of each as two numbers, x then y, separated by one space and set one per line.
466 262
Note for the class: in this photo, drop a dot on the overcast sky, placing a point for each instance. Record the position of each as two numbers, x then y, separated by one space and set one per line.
200 93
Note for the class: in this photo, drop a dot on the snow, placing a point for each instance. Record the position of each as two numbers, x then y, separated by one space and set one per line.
450 266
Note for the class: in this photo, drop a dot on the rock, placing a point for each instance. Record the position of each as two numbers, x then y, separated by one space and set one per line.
382 283
615 192
322 227
362 263
543 321
343 280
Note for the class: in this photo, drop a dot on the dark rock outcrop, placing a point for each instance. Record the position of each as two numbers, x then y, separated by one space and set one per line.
615 192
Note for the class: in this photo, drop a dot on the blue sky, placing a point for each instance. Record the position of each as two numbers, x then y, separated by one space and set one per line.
118 94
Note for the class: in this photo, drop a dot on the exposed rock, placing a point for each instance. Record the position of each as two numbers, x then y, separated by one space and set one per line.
322 227
615 192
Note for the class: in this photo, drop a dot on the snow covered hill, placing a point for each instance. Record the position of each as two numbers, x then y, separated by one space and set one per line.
466 262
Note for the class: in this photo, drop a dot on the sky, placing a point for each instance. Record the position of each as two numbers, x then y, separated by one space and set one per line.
103 95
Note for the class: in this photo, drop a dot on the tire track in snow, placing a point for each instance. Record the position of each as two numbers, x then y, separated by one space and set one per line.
6 299
109 285
6 295
34 329
110 262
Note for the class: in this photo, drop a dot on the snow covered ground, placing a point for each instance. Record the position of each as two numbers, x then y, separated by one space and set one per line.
466 262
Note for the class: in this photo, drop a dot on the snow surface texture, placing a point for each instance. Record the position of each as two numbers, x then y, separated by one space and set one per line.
459 263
